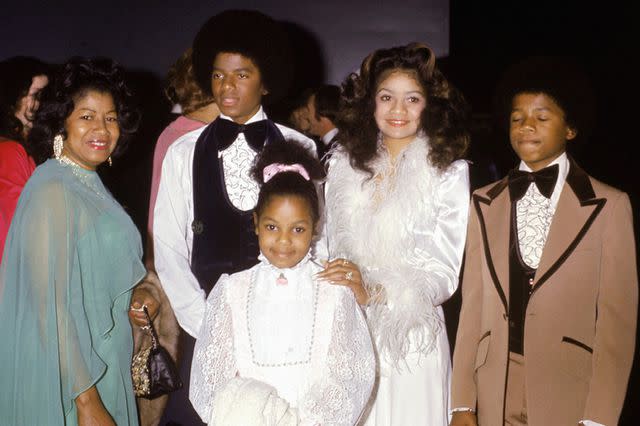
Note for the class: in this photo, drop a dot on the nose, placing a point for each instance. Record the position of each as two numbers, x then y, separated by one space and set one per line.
398 107
528 125
284 238
101 126
228 83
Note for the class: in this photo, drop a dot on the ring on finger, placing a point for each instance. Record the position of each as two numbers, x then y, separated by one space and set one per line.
345 262
349 275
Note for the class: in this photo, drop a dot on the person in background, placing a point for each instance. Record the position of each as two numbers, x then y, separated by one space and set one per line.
72 274
397 201
299 115
322 108
550 287
196 108
21 80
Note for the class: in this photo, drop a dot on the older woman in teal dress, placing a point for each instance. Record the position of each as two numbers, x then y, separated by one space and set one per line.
72 260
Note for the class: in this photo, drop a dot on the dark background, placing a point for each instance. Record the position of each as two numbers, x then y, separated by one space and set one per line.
475 42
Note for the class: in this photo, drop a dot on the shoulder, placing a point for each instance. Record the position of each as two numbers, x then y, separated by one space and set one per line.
604 190
185 143
295 135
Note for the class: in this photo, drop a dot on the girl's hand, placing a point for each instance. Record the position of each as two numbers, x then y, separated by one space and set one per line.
346 273
91 411
140 298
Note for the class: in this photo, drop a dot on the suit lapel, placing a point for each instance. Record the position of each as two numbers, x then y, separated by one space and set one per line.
494 213
577 209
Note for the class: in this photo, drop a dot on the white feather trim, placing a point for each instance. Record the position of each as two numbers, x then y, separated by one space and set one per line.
372 222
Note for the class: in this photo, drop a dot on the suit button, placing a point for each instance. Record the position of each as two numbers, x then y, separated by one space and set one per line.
197 227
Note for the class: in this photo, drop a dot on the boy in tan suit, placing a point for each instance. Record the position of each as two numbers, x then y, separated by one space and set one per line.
550 289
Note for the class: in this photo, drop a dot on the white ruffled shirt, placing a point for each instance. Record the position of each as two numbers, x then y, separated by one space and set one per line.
301 350
534 213
173 215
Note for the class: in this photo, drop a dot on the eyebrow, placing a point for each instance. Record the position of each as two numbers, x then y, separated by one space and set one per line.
234 70
301 221
93 110
389 90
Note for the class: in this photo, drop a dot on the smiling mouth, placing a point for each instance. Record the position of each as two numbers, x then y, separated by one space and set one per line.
397 123
100 145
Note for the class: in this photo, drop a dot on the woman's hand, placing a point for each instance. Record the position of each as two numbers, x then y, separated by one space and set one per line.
91 411
346 273
140 298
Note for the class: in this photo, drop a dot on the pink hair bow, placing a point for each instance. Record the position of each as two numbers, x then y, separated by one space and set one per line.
273 169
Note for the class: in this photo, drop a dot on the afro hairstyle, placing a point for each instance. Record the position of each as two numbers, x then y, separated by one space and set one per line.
560 78
251 34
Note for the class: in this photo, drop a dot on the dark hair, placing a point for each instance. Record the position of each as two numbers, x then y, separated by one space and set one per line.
182 87
251 34
16 77
444 119
76 77
560 78
327 102
288 183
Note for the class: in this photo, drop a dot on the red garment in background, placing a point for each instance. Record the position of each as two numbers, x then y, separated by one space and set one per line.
15 169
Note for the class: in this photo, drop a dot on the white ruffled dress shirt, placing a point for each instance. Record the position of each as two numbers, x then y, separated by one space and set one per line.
173 215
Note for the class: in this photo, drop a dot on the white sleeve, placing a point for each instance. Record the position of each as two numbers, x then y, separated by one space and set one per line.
438 257
171 225
343 391
214 363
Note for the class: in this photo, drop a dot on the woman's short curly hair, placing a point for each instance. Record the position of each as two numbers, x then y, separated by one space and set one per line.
182 87
444 119
73 80
16 77
251 34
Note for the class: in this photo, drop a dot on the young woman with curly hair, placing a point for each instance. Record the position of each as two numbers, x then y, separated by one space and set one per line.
397 197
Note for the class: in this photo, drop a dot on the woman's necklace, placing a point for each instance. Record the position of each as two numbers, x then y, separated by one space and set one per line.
82 177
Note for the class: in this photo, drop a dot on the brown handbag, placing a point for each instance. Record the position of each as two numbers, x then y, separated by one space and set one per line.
153 371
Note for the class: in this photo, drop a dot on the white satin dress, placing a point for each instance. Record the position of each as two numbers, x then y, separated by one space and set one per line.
406 229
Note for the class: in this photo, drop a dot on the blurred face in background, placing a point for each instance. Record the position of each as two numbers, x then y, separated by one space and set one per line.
27 105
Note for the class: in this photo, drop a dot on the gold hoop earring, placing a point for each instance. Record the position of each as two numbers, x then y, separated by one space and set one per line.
57 146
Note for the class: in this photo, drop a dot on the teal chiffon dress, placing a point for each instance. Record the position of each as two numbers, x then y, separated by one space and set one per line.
71 260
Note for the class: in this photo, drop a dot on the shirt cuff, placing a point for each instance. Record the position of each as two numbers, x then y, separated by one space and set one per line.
590 423
460 409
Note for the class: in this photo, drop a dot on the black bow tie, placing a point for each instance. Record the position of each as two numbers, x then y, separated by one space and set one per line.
545 180
227 131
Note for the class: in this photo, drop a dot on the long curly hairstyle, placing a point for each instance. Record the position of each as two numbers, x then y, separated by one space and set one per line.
444 119
73 80
182 87
16 77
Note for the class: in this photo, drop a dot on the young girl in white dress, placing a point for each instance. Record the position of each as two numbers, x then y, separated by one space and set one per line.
277 346
397 199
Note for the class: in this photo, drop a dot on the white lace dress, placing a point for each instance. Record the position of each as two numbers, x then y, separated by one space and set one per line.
281 354
406 230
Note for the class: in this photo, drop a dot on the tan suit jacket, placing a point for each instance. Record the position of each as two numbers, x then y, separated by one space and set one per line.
580 323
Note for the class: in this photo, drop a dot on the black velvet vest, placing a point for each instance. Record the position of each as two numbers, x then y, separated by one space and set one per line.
520 279
224 240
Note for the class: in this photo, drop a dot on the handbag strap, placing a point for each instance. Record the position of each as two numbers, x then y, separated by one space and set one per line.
150 328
